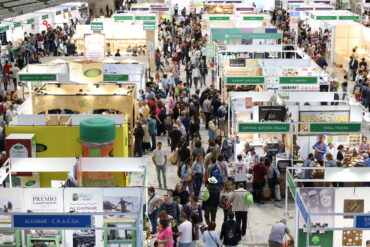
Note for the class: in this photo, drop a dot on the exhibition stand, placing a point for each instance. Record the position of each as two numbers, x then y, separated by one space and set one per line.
329 216
57 216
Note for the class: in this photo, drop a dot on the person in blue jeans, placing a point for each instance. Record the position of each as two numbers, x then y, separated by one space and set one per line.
198 171
152 127
152 208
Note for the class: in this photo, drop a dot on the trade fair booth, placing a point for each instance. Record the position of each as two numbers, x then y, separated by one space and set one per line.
66 214
330 216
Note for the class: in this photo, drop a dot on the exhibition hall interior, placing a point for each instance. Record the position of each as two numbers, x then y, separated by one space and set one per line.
184 123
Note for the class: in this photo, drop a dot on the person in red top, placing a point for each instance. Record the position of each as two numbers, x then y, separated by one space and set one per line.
259 179
7 68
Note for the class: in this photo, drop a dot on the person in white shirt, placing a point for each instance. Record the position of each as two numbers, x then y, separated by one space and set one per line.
241 170
160 160
252 157
185 232
331 149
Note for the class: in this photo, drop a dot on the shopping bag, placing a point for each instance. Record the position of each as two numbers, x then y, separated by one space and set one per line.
249 199
206 195
174 156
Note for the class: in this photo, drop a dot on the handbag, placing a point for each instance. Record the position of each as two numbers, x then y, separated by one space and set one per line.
213 239
174 157
249 199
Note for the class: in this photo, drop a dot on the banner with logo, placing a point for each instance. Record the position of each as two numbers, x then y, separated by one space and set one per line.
84 200
43 200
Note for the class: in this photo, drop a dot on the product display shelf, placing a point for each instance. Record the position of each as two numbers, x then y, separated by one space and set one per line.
122 242
54 241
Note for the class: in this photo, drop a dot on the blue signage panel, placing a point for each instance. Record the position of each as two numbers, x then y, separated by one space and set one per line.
362 221
49 221
302 209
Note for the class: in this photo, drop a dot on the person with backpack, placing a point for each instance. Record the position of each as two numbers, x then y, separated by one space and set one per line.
187 175
240 207
211 204
230 231
193 208
214 170
221 116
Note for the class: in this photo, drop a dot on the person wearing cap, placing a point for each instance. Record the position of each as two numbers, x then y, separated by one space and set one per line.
277 233
211 204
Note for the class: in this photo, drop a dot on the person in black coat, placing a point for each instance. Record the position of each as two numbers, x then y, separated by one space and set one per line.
211 205
230 231
139 135
353 66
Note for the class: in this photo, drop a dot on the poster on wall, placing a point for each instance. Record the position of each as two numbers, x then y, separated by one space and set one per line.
10 201
271 113
319 116
248 103
352 238
94 46
123 200
84 200
353 206
319 200
43 199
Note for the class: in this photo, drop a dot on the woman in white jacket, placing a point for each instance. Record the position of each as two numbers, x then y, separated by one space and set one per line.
195 74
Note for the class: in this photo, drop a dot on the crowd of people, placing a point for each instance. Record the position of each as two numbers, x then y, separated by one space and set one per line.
209 177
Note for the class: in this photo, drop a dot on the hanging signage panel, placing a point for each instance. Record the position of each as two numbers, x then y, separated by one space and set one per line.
97 26
145 18
252 18
123 18
245 80
115 77
239 62
49 221
241 33
37 77
263 127
298 80
351 17
326 18
362 221
219 18
335 127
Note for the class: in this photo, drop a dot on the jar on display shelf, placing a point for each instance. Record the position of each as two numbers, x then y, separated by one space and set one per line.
97 137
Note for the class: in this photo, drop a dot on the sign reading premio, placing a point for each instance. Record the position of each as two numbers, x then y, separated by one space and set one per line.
335 127
97 26
37 77
298 80
263 127
245 80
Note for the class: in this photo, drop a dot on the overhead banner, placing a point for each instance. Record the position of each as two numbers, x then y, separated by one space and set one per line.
272 113
298 80
256 80
263 128
97 26
336 127
224 34
94 46
239 62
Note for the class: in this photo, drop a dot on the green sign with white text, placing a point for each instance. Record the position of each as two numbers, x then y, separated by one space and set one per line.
30 21
252 18
123 18
38 77
4 28
326 18
97 26
298 80
115 77
145 18
335 127
263 128
245 80
44 17
17 24
219 18
351 17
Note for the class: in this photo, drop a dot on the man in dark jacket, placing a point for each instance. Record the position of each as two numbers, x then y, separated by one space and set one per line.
353 66
171 207
230 231
212 203
203 71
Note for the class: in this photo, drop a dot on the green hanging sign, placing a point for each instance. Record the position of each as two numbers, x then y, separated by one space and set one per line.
219 18
123 18
263 128
115 77
31 21
252 18
4 28
326 18
245 80
225 34
291 184
37 77
17 24
97 26
351 17
145 18
335 127
149 25
297 80
44 17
